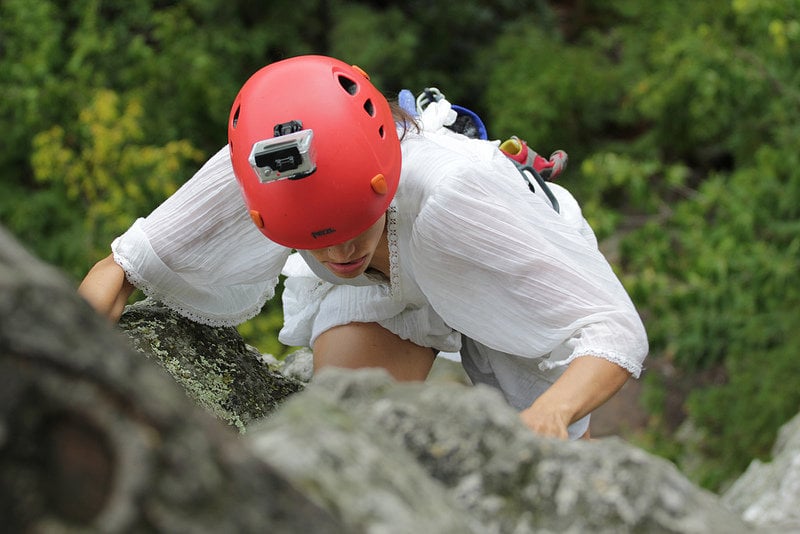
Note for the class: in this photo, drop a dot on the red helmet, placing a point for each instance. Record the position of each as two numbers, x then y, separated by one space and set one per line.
315 150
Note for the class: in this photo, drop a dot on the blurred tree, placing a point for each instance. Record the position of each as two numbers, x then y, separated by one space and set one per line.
105 172
719 271
31 96
416 44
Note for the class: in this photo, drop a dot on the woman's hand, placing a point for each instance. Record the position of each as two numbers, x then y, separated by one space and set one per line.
587 383
106 289
545 422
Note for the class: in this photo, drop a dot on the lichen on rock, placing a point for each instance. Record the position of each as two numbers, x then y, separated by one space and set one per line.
214 365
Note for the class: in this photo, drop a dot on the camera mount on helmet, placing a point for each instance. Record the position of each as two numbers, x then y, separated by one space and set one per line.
290 154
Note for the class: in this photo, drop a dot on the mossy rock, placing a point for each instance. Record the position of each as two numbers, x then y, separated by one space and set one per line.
214 365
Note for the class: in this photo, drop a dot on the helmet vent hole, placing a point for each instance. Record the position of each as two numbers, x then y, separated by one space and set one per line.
381 132
348 85
235 120
369 107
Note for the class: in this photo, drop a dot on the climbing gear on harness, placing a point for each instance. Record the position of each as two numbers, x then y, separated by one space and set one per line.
529 163
542 170
519 151
467 122
315 151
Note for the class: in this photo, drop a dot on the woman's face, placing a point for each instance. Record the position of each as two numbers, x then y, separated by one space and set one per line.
353 257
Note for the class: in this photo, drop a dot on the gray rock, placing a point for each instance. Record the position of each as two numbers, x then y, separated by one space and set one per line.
299 365
96 438
213 364
355 469
502 477
768 494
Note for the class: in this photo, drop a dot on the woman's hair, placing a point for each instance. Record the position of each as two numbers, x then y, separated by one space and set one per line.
404 119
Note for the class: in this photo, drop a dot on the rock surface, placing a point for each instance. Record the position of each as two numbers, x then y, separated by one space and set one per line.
457 453
95 437
213 364
767 495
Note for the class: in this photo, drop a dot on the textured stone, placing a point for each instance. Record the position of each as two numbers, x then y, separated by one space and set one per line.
768 494
356 470
213 364
299 365
96 438
499 474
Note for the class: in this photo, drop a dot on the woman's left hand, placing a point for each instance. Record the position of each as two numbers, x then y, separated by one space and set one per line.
545 423
587 383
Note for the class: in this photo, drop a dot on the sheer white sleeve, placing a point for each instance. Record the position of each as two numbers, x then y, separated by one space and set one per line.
502 267
200 254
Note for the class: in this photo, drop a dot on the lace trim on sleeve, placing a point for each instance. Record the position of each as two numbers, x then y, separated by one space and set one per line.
190 313
632 366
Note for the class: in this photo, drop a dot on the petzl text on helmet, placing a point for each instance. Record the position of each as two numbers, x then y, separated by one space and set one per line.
289 155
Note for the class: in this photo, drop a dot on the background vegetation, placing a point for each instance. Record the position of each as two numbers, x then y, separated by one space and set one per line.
681 119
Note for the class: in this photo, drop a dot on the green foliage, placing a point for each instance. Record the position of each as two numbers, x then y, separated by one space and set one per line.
417 44
683 119
618 190
262 331
384 42
717 272
728 296
104 172
550 94
30 95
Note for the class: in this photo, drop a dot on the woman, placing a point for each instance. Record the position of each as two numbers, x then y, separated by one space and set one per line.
408 244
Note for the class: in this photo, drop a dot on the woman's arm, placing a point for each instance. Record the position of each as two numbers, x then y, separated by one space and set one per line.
587 383
106 289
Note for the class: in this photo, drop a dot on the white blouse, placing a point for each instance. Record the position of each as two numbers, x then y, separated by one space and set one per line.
472 252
